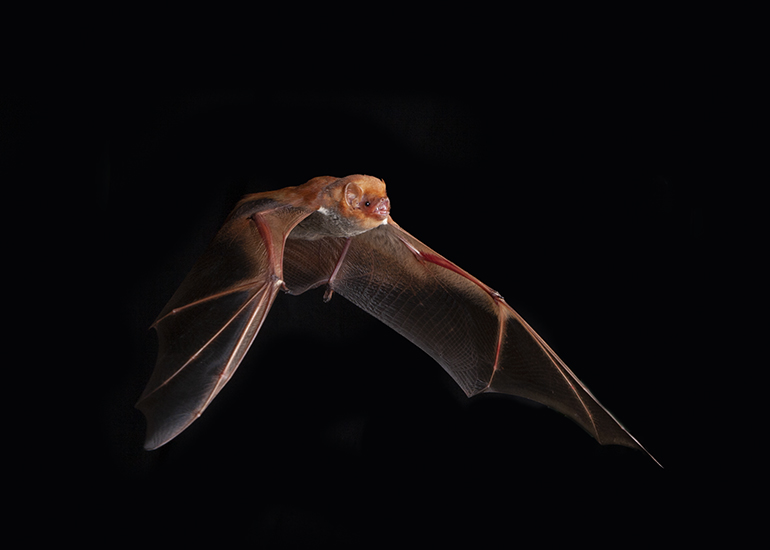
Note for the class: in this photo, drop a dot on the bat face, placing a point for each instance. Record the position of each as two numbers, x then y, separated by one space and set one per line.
370 199
338 232
361 201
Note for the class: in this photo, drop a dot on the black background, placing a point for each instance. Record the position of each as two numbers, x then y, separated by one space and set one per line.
564 164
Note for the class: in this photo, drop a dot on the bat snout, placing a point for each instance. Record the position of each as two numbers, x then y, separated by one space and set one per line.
382 208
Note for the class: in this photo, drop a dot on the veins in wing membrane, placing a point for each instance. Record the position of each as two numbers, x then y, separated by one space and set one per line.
474 365
239 288
260 291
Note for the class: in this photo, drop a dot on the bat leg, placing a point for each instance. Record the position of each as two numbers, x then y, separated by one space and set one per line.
333 276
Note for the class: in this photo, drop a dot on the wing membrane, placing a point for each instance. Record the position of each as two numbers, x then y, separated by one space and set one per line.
210 322
465 326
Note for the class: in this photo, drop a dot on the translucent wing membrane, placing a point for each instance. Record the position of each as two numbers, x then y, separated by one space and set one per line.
210 322
467 327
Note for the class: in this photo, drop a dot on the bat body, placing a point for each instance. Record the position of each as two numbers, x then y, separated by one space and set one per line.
338 232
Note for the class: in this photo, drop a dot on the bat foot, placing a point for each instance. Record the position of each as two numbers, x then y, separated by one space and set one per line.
328 294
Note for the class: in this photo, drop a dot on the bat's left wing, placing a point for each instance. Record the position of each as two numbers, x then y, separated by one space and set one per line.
466 326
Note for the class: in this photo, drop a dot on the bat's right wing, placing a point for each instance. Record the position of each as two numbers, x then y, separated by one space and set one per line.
212 319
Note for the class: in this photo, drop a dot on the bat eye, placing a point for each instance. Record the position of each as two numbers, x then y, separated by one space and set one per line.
367 203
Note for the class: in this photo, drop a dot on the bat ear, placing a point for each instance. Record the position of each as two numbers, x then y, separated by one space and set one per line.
353 194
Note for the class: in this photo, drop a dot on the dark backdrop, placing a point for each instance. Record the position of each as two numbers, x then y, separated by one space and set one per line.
564 169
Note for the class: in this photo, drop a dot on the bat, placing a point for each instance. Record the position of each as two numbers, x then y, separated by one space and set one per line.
338 232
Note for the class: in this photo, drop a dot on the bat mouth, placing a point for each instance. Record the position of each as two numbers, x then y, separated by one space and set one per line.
382 210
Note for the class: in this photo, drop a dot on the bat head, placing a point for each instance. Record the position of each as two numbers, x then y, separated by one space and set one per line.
367 195
362 200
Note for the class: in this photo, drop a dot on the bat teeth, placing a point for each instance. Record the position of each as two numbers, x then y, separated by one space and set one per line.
383 208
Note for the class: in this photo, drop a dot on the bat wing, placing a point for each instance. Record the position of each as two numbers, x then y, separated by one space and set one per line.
210 322
462 323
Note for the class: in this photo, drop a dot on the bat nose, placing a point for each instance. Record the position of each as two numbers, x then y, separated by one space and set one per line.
383 208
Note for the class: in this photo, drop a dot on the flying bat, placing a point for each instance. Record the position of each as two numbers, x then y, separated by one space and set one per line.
338 232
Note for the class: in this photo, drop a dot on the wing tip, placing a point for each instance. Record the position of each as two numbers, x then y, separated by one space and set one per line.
155 439
157 434
640 447
626 440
